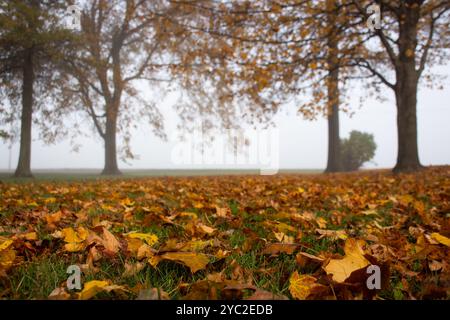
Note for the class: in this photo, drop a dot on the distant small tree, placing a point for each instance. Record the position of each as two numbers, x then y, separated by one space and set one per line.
358 149
3 134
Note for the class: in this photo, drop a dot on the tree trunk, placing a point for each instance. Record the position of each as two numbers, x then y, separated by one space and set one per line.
334 143
408 153
406 93
111 167
24 165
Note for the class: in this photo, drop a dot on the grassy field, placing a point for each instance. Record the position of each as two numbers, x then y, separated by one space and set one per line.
93 174
191 236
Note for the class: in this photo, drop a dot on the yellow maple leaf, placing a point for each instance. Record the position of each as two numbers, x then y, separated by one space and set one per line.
7 255
50 200
321 222
196 245
133 245
74 246
91 288
283 238
149 238
302 286
354 259
71 235
54 217
195 261
74 239
127 202
198 205
5 244
30 236
441 239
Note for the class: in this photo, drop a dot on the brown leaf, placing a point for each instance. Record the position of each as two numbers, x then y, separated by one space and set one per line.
153 294
303 259
59 294
266 295
132 268
110 242
277 248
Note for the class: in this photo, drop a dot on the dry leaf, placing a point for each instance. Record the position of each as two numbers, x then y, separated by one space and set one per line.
153 294
110 242
441 239
94 287
59 294
266 295
277 248
353 260
149 238
195 261
7 255
335 234
302 286
132 269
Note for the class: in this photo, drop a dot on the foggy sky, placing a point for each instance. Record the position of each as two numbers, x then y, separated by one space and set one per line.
303 144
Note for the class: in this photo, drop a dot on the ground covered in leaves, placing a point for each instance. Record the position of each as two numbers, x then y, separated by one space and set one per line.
230 237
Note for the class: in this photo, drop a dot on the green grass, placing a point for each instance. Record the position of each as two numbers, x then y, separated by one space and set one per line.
94 174
38 278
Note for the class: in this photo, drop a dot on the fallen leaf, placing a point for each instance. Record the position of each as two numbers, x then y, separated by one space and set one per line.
195 261
206 229
435 265
302 286
223 212
30 236
70 235
149 238
94 287
74 247
266 295
134 244
132 269
277 248
153 294
283 238
335 234
4 244
441 239
353 260
110 242
7 255
303 259
59 294
74 239
321 222
53 218
91 288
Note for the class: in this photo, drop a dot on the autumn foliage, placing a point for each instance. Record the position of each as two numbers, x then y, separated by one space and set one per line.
229 237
